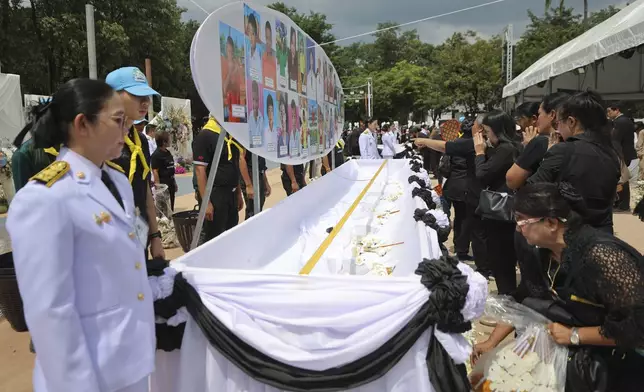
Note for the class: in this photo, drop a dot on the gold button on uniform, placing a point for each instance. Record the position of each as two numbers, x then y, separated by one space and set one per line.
80 175
137 266
140 296
131 235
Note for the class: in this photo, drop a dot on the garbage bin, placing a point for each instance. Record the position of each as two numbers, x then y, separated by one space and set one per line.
184 225
10 300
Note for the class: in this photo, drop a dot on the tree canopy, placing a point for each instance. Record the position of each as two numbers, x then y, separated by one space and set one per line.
44 41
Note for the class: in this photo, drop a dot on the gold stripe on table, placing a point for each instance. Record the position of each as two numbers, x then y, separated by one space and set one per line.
308 267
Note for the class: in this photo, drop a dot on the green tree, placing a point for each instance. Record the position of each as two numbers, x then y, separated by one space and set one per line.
548 4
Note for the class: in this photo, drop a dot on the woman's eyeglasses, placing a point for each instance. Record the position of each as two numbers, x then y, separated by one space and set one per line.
529 221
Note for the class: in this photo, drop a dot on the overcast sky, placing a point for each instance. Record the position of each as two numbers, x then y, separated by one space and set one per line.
350 17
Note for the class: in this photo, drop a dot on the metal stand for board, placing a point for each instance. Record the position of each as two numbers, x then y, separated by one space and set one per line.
214 165
333 158
256 187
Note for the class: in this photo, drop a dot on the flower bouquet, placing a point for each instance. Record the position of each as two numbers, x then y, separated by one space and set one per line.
533 362
175 122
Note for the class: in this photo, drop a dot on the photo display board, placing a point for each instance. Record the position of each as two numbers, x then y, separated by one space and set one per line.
267 83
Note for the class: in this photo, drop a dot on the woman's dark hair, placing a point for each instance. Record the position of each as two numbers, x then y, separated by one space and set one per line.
385 128
253 22
550 200
370 120
589 110
50 125
527 109
503 127
552 101
162 138
269 102
229 41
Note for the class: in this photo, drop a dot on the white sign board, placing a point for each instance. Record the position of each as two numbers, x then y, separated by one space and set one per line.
267 83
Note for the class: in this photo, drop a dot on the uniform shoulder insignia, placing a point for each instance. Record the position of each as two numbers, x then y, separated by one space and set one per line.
115 166
365 132
51 173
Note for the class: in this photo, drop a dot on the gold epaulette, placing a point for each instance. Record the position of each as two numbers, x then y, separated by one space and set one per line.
115 166
51 173
365 131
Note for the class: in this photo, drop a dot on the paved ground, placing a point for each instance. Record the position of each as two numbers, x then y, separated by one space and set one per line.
16 362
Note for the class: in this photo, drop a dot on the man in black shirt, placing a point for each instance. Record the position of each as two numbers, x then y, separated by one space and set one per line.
353 140
246 182
338 151
292 178
226 200
132 86
624 137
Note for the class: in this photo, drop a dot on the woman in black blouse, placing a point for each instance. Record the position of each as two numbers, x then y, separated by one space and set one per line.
593 280
496 148
163 165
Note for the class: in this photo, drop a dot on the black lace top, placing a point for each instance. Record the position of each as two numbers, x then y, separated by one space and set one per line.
598 271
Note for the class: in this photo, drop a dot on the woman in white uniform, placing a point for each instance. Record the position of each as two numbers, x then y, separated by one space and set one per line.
78 251
388 143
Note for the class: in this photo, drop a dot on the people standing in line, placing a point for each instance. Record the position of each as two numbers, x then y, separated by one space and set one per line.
226 200
639 147
354 140
496 148
586 159
246 182
388 142
132 86
150 133
85 283
464 147
338 151
163 165
535 139
292 178
623 134
367 141
455 190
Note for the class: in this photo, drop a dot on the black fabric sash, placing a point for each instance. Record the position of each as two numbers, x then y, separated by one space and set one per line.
443 309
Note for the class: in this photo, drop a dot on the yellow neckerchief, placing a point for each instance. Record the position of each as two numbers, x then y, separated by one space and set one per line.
212 126
136 151
52 151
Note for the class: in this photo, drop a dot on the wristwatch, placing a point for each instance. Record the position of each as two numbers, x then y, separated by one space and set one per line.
574 337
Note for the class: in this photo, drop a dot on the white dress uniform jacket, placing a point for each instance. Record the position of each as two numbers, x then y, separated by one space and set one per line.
388 142
368 145
83 281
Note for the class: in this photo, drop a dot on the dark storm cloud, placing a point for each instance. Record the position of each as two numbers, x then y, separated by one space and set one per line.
351 17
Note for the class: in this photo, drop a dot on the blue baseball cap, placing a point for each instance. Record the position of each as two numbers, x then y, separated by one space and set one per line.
130 79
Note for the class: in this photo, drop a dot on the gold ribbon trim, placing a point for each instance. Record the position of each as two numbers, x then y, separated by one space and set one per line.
308 267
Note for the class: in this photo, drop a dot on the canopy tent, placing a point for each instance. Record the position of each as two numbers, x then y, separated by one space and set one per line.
604 59
11 113
259 326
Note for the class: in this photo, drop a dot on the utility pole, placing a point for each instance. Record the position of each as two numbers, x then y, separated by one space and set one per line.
91 41
509 49
148 76
369 97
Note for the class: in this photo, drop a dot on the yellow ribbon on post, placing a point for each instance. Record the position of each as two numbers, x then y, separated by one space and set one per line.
136 151
308 267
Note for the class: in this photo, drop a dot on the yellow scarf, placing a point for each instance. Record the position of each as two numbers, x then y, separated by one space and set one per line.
212 126
53 152
136 151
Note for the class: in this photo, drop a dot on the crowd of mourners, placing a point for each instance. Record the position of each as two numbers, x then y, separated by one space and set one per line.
563 167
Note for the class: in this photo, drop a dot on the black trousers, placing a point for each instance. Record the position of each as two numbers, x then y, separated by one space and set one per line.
502 254
250 204
478 238
286 183
226 216
172 189
462 231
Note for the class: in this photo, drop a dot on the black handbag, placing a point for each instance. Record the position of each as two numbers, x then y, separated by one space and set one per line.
496 206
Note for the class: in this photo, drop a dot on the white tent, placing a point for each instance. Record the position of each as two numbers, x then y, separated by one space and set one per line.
592 60
11 113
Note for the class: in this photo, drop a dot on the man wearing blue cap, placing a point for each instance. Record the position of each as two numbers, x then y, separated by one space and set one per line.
132 85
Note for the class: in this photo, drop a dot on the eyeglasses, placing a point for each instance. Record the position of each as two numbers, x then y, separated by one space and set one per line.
524 222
